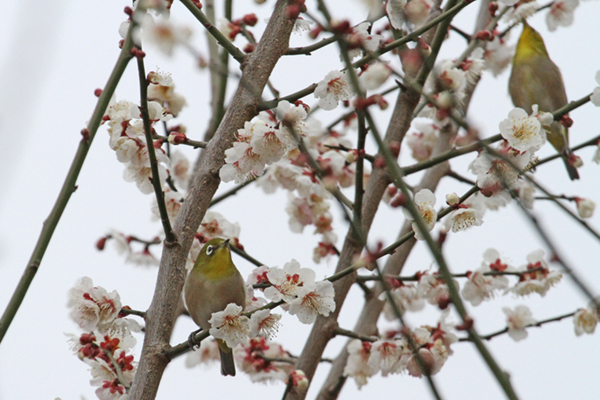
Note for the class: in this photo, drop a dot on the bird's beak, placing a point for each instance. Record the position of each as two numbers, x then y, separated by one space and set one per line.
225 243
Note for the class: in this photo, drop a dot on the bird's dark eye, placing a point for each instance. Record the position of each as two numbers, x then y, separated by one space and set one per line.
209 250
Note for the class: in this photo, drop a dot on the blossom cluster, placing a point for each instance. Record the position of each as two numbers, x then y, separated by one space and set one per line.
126 130
482 284
426 346
107 340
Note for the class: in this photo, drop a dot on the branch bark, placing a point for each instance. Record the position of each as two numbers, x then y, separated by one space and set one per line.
325 327
256 70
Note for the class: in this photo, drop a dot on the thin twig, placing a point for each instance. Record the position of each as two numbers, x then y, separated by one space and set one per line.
236 53
69 185
170 237
536 324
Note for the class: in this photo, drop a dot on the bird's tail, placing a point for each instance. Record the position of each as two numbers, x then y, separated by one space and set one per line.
227 363
573 174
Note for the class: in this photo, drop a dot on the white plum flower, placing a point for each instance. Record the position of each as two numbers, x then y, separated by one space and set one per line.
517 320
173 202
424 201
585 207
535 277
480 287
241 163
253 357
498 54
494 173
215 225
523 133
207 354
395 12
180 166
313 299
561 14
334 88
526 193
405 297
432 288
585 321
375 76
264 323
422 141
357 365
288 282
159 77
595 97
462 218
230 325
385 356
92 306
362 39
269 143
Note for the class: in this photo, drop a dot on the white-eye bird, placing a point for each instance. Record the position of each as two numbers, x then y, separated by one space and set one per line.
535 79
211 285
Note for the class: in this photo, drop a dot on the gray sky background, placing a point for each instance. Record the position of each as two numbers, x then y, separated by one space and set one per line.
52 57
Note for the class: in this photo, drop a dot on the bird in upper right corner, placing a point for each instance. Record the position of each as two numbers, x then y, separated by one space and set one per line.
535 79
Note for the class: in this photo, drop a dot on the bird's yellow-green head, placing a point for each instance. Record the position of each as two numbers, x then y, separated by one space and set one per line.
530 44
214 260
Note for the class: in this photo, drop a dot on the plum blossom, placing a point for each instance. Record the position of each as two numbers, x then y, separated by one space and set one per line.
517 320
498 54
585 207
288 282
474 65
585 321
424 201
523 11
561 14
523 133
462 218
416 11
595 97
357 365
539 280
526 193
264 323
253 302
432 288
406 298
480 287
422 141
375 76
215 225
241 164
395 12
313 299
494 173
250 358
207 354
230 325
362 39
173 202
269 143
93 306
385 356
334 88
180 166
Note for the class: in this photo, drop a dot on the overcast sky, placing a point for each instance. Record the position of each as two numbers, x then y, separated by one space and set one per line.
52 57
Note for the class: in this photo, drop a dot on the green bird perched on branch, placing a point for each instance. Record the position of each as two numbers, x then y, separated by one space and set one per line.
535 79
211 285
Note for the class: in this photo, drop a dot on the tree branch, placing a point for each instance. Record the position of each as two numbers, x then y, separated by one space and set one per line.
256 69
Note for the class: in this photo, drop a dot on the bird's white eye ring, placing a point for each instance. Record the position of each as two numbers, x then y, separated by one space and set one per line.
209 250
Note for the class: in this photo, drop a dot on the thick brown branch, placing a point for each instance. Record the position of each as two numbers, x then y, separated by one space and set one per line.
256 68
